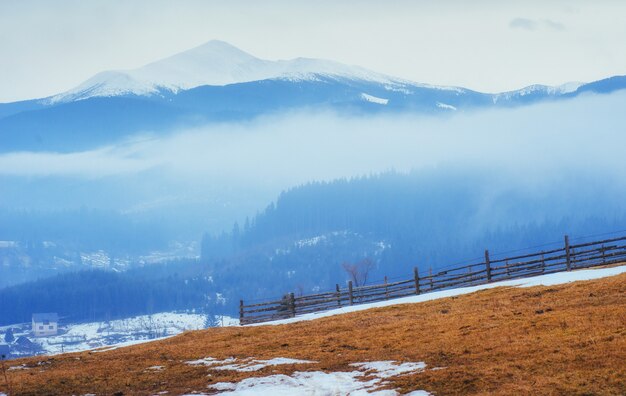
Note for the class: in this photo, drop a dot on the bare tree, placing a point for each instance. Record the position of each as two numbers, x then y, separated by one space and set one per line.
358 271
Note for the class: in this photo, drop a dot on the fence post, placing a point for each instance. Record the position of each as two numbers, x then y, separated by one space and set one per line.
416 278
488 264
603 255
543 262
430 275
292 303
350 291
567 254
338 294
386 289
508 273
241 312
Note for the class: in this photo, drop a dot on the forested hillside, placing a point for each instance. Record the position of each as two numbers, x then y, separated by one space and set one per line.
298 244
104 295
425 219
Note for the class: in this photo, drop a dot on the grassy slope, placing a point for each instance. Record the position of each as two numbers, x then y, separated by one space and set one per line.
566 339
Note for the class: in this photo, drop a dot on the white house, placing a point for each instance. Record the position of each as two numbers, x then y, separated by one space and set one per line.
45 324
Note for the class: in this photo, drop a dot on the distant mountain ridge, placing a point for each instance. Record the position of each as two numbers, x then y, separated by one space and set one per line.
215 63
217 82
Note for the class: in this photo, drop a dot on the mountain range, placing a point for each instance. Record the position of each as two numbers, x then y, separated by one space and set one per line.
218 82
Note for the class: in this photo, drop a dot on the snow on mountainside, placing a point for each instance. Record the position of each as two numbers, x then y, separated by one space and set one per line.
214 63
374 99
538 89
219 64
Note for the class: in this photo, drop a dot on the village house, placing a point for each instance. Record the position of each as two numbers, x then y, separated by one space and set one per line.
45 324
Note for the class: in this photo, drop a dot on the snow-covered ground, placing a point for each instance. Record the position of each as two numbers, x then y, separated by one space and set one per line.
445 106
244 365
374 99
545 280
121 332
365 379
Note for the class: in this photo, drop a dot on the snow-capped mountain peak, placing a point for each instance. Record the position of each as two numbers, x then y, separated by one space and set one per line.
217 63
213 63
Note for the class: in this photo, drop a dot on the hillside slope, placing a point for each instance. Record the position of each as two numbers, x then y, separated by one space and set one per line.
559 339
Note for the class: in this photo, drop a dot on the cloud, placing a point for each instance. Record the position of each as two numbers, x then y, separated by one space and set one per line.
532 142
205 178
550 24
523 23
536 24
106 161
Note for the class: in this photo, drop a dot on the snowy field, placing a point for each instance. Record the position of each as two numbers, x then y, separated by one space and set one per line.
117 333
542 280
364 380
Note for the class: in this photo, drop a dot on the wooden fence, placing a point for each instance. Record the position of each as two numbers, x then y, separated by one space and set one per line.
565 258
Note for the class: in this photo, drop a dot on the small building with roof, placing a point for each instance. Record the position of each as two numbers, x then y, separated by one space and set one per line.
45 324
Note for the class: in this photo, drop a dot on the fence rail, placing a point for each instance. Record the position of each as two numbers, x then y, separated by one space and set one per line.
566 258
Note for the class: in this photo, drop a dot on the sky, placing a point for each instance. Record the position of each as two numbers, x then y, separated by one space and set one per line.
48 47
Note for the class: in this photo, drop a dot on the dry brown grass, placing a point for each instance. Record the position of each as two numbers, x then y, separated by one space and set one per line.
560 340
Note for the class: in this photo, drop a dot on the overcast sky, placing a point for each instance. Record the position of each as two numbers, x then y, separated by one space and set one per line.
47 47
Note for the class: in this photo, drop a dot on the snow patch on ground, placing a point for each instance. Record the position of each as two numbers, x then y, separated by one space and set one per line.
277 361
122 344
310 241
244 365
389 368
445 106
398 88
569 87
320 383
316 240
374 99
209 361
20 367
541 280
